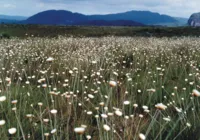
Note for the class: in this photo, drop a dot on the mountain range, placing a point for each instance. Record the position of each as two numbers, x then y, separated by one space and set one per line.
130 18
11 19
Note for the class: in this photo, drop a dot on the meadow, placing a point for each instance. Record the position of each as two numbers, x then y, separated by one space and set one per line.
24 31
100 88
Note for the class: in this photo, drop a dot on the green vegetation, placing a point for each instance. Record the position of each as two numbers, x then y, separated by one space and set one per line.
106 87
84 31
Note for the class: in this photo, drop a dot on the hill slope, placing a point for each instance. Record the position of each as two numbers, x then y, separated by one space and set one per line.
11 19
145 17
109 23
132 18
18 18
59 17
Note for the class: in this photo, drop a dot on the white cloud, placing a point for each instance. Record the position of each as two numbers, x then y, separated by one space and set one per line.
180 8
9 6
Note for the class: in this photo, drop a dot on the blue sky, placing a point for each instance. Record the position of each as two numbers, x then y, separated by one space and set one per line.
179 8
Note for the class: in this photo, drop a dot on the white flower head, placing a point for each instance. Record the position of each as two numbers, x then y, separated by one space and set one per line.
113 83
53 131
50 59
88 137
79 130
142 136
195 93
126 102
2 122
118 113
106 127
90 96
2 98
104 116
54 111
160 106
12 131
167 119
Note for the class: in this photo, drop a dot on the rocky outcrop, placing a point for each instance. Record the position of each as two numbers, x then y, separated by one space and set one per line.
194 20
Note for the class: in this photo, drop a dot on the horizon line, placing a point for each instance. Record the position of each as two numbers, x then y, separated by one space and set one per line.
91 14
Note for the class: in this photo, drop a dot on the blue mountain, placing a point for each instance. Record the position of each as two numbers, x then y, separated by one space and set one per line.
63 17
109 23
56 17
14 18
145 17
11 19
131 18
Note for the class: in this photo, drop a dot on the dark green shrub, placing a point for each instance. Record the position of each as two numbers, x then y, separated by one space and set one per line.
5 35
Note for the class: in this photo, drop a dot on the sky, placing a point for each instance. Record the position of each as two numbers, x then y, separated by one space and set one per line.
177 8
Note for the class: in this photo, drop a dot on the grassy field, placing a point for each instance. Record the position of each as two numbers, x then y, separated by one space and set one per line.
105 88
23 31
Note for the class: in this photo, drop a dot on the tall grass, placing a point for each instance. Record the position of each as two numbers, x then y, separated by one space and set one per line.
107 88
